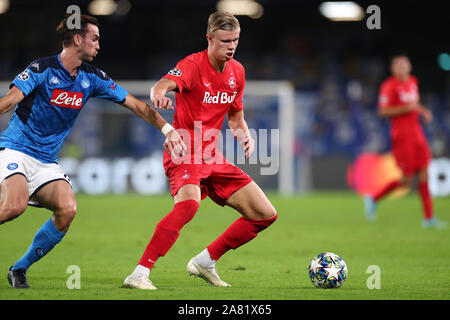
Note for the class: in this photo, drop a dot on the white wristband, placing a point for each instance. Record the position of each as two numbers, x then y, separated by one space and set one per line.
166 129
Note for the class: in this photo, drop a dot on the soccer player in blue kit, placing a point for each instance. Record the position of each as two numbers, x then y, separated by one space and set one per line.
47 96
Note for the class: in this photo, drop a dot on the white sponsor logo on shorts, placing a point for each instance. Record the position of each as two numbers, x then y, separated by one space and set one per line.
12 166
186 175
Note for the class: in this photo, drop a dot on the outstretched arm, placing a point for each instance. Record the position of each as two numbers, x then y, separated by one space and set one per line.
239 129
173 144
11 99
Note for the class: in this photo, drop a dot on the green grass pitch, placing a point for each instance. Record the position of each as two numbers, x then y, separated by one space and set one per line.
110 233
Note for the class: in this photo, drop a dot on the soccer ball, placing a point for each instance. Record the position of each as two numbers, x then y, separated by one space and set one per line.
327 270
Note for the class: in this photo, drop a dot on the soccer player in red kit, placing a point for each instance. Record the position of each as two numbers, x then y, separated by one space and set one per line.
208 85
399 101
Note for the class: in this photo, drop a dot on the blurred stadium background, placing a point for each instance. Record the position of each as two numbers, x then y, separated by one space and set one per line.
329 72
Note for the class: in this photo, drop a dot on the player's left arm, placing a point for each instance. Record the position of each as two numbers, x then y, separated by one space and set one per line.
239 129
105 88
174 143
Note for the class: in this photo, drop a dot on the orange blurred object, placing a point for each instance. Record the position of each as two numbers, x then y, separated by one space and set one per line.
372 171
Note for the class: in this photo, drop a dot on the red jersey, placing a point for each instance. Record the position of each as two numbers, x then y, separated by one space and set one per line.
205 96
396 93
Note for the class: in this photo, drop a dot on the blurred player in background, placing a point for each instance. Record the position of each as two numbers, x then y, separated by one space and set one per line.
49 95
208 86
400 102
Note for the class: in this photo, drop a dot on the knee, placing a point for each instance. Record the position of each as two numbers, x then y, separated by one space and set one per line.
271 216
182 213
260 224
275 216
11 210
268 213
168 229
66 212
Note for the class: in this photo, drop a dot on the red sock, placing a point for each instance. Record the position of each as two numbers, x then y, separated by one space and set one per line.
167 231
427 201
386 189
240 232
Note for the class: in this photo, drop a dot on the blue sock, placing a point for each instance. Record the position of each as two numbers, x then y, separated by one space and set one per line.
44 241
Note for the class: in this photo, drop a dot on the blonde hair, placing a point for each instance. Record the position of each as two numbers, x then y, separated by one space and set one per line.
223 21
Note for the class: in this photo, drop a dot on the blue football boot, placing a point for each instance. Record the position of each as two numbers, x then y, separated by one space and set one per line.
370 207
434 223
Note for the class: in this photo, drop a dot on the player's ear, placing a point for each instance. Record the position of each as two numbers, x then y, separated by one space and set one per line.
209 38
77 39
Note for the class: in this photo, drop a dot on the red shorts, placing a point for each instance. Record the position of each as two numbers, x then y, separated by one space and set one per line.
218 181
411 155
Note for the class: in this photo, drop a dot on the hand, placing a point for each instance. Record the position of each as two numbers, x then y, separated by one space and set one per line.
248 144
426 114
174 144
160 101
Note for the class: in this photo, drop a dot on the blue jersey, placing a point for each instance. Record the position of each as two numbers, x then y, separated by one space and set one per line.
53 99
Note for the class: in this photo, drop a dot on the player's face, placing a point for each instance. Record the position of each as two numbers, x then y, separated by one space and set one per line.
223 44
90 44
401 67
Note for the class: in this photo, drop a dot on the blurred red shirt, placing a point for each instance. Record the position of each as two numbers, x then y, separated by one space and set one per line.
396 93
409 144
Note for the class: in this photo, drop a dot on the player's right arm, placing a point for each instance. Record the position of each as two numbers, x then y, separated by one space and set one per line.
158 93
179 79
22 85
11 99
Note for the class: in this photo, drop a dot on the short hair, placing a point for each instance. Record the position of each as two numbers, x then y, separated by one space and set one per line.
223 21
396 55
66 35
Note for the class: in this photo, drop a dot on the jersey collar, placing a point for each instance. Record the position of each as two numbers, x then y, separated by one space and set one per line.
72 78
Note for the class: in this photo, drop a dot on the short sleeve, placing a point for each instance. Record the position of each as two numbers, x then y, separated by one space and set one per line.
385 96
106 88
28 79
238 104
183 74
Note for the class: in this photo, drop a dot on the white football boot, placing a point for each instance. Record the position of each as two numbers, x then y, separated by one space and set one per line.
208 274
138 281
